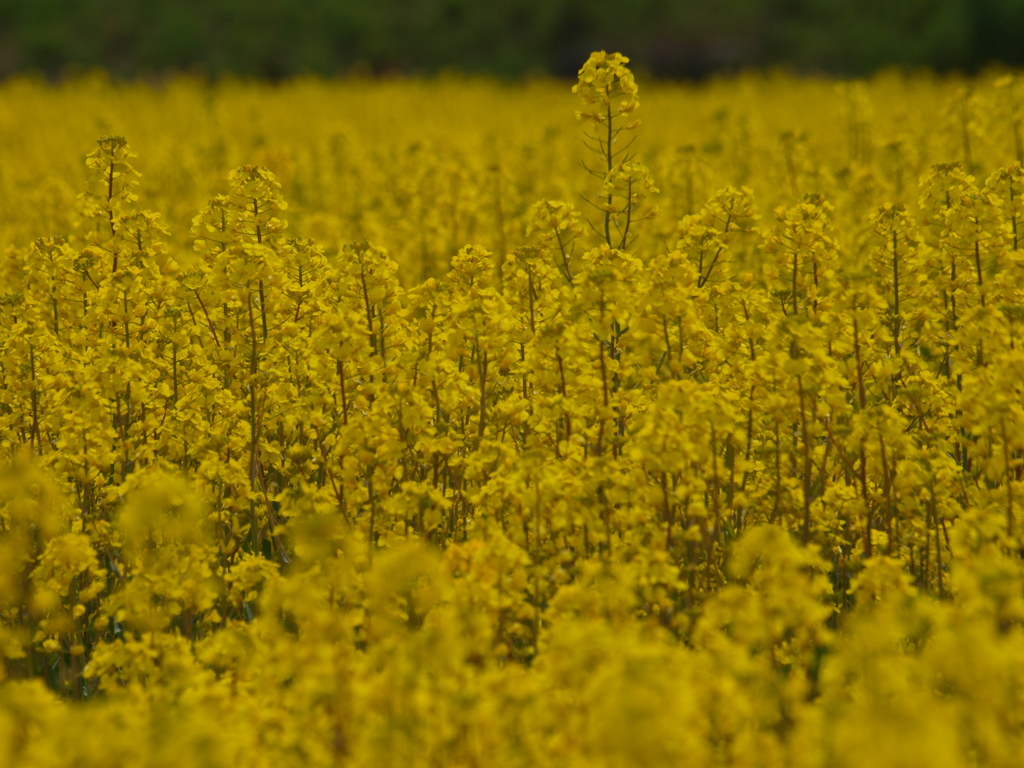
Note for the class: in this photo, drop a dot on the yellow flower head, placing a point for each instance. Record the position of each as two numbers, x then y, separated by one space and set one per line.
603 80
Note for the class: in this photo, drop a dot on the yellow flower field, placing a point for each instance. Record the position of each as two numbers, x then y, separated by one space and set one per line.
426 423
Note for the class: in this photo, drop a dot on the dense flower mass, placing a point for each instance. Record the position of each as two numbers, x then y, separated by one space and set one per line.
709 453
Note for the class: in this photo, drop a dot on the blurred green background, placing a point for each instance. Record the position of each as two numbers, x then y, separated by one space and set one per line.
511 38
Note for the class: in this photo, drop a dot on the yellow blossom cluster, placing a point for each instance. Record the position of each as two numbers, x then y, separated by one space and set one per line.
410 442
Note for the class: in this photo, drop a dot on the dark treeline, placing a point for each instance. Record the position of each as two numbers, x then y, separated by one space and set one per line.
674 38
